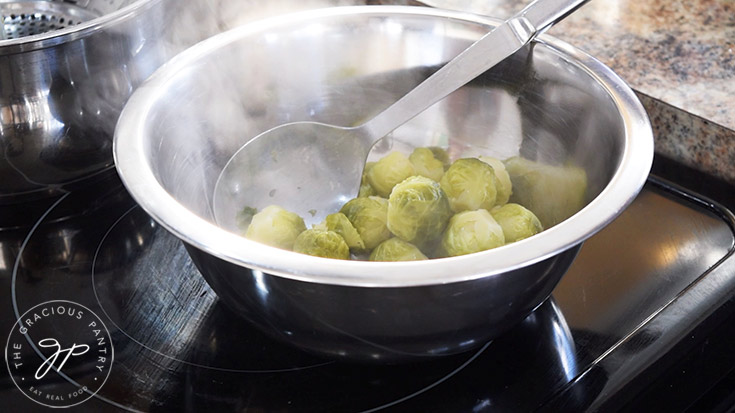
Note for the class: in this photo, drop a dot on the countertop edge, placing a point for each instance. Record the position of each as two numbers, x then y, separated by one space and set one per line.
694 141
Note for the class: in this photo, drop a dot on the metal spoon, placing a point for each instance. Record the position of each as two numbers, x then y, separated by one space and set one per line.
314 168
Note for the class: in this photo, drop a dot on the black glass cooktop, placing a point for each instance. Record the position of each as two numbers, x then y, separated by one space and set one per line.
636 292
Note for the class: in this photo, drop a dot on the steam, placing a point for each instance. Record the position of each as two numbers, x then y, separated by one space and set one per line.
201 19
231 99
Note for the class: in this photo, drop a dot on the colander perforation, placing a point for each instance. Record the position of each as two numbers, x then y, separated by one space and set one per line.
31 17
23 25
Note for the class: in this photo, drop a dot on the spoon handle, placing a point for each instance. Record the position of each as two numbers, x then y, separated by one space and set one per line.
482 55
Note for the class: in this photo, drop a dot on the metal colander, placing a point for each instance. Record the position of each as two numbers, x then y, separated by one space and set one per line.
31 17
67 68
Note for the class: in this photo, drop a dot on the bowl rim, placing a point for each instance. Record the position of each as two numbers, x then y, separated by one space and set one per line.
138 177
81 30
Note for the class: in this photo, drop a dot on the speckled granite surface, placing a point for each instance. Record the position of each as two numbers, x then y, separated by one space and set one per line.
678 55
678 51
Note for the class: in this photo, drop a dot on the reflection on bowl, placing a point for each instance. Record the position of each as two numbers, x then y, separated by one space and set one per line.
549 103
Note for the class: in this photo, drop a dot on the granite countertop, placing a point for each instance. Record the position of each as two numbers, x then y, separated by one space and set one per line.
679 56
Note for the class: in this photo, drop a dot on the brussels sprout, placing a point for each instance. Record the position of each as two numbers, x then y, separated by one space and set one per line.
517 222
553 193
426 164
396 249
369 216
276 227
470 184
339 223
244 217
469 232
441 155
320 243
389 171
418 210
365 170
503 184
366 190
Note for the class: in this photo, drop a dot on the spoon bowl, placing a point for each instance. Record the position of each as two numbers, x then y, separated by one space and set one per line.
311 167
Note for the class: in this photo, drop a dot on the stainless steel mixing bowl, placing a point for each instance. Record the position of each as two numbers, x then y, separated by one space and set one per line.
66 70
550 102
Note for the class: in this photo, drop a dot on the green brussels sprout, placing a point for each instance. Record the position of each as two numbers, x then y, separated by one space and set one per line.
441 155
369 216
366 190
339 223
426 164
396 249
418 210
244 217
471 231
552 193
276 227
517 222
365 170
503 185
470 184
320 243
389 171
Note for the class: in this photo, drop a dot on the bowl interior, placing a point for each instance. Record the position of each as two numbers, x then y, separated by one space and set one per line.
538 104
548 103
